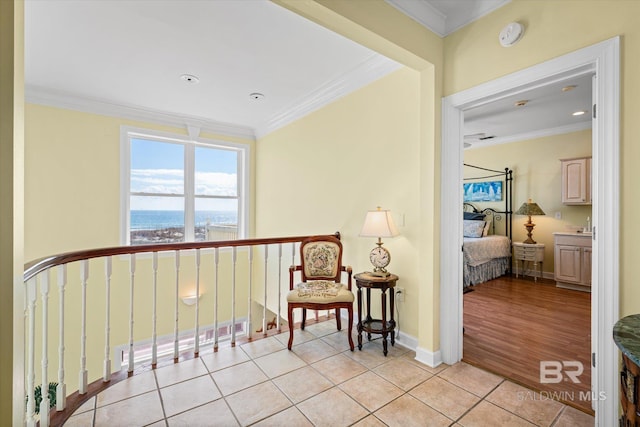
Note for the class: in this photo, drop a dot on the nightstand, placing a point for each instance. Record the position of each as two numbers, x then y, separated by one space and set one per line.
529 252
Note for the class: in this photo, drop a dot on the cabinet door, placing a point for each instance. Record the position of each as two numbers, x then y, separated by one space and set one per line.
586 266
574 181
568 263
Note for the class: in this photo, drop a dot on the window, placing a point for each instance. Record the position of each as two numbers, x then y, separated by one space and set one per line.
180 190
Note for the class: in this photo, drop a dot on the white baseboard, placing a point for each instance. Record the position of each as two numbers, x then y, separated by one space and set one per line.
406 340
429 358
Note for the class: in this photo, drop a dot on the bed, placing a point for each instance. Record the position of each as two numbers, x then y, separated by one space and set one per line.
486 252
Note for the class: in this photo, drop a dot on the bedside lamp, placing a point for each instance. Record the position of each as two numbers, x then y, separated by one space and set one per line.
529 208
379 223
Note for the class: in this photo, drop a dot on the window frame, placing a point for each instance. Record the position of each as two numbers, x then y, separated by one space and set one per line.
127 133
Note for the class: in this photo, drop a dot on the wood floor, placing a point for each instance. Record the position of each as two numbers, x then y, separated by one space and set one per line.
511 325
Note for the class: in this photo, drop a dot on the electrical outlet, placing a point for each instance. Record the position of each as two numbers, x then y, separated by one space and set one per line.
558 215
400 294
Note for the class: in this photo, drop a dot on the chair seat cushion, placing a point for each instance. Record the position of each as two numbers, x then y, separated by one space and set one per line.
320 292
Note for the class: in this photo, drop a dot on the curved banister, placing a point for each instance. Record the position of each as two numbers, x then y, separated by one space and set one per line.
32 268
38 290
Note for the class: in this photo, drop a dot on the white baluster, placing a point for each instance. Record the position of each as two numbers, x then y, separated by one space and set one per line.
249 326
61 390
176 341
264 307
154 318
233 296
215 299
196 338
44 403
31 373
82 376
106 372
132 271
279 324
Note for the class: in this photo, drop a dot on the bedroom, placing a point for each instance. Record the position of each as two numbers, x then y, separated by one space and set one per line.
529 320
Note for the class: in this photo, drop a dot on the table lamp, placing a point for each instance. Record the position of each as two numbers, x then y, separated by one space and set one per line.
529 208
379 223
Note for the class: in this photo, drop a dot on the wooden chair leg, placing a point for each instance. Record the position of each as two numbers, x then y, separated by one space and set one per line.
350 315
290 319
338 320
304 318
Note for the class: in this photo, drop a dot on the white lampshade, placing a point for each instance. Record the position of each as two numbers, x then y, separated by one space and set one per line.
379 223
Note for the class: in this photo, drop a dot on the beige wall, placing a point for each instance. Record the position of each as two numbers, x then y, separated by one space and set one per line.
73 180
379 26
553 28
536 175
322 173
11 212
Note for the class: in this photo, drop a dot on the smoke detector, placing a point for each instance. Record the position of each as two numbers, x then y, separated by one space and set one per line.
511 34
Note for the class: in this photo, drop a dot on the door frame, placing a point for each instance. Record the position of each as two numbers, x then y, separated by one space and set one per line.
602 59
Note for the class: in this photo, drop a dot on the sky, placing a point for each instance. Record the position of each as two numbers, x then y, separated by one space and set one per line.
157 167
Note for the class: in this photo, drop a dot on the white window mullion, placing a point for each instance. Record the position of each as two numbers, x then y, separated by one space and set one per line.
189 191
240 168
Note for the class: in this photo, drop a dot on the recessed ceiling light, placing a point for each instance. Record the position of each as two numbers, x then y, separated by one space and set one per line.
190 78
521 103
568 88
256 96
578 113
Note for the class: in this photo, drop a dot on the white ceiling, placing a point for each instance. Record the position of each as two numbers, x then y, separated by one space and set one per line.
125 58
548 111
106 55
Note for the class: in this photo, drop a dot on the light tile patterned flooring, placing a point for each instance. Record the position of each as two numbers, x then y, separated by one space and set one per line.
319 383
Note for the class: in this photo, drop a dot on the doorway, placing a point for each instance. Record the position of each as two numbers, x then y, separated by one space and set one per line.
603 59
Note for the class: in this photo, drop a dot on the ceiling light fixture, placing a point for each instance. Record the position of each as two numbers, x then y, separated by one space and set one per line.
521 103
568 88
190 78
256 96
579 113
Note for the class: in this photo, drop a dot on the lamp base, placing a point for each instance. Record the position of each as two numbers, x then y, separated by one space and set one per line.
529 226
379 273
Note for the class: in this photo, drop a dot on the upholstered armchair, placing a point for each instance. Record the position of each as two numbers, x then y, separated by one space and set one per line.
321 287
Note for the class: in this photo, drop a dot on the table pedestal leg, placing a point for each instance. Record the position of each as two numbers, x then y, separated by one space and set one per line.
359 318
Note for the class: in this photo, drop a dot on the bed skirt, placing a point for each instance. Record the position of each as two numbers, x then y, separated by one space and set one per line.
485 272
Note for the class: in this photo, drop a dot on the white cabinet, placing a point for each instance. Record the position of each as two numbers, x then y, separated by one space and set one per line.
572 260
576 181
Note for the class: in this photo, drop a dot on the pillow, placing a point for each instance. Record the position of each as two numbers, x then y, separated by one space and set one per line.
471 228
476 216
487 227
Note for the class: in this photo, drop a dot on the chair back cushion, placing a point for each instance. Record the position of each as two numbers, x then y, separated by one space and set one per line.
321 259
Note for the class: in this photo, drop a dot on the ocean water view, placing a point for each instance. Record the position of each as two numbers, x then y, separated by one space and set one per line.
167 226
155 220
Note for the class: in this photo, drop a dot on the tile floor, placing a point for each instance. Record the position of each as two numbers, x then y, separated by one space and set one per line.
319 383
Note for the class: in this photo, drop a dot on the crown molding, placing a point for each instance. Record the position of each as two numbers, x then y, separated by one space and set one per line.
373 68
37 95
480 9
423 13
559 130
436 21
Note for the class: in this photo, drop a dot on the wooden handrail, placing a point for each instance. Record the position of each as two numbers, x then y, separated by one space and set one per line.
32 268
